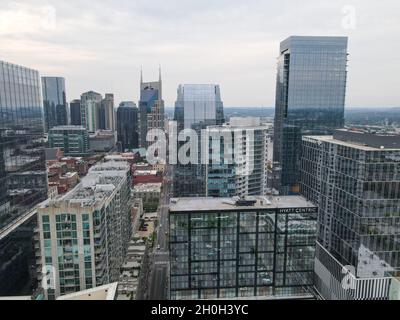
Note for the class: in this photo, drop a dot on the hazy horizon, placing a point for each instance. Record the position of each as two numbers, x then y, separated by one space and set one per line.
233 43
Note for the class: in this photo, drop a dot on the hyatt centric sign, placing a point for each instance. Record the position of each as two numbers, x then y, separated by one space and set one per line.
298 210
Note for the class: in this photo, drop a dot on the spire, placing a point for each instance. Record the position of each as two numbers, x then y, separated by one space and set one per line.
159 72
141 74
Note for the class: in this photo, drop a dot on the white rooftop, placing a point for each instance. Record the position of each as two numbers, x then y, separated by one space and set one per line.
227 204
106 292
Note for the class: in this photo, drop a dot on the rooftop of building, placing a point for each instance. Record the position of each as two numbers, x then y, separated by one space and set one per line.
99 184
148 172
361 140
147 187
68 128
101 134
120 156
106 292
240 123
228 204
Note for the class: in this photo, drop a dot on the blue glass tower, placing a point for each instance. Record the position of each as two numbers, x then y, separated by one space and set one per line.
310 97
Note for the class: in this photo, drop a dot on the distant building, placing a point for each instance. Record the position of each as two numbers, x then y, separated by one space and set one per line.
151 109
310 98
147 191
74 249
197 106
90 110
53 154
102 141
226 248
354 179
146 176
54 102
72 140
75 112
106 113
127 126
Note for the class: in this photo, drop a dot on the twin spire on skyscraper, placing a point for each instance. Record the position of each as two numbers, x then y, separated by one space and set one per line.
159 74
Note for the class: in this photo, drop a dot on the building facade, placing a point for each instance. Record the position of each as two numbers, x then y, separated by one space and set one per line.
23 178
225 248
54 102
354 179
237 156
151 109
102 141
75 112
197 106
72 140
90 110
310 98
127 126
106 113
85 233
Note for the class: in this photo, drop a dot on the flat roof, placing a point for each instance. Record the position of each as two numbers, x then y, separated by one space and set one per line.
106 292
349 144
228 204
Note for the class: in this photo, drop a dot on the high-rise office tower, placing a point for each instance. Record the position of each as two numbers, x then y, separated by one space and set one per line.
23 178
197 106
151 108
85 233
90 110
354 179
228 248
54 102
75 112
310 98
237 156
106 113
127 125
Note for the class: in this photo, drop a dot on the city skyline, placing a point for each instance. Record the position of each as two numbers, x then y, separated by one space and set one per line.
186 41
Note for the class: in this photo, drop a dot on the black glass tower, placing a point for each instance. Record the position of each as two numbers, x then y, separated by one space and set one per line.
23 178
54 102
127 125
75 112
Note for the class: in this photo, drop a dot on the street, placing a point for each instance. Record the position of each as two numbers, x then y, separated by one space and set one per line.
159 274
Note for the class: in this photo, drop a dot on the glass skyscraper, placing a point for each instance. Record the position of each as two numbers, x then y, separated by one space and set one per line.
75 112
197 106
310 98
127 125
354 179
23 178
54 102
151 109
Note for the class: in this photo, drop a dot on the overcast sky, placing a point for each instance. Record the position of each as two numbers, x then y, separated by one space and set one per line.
100 45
